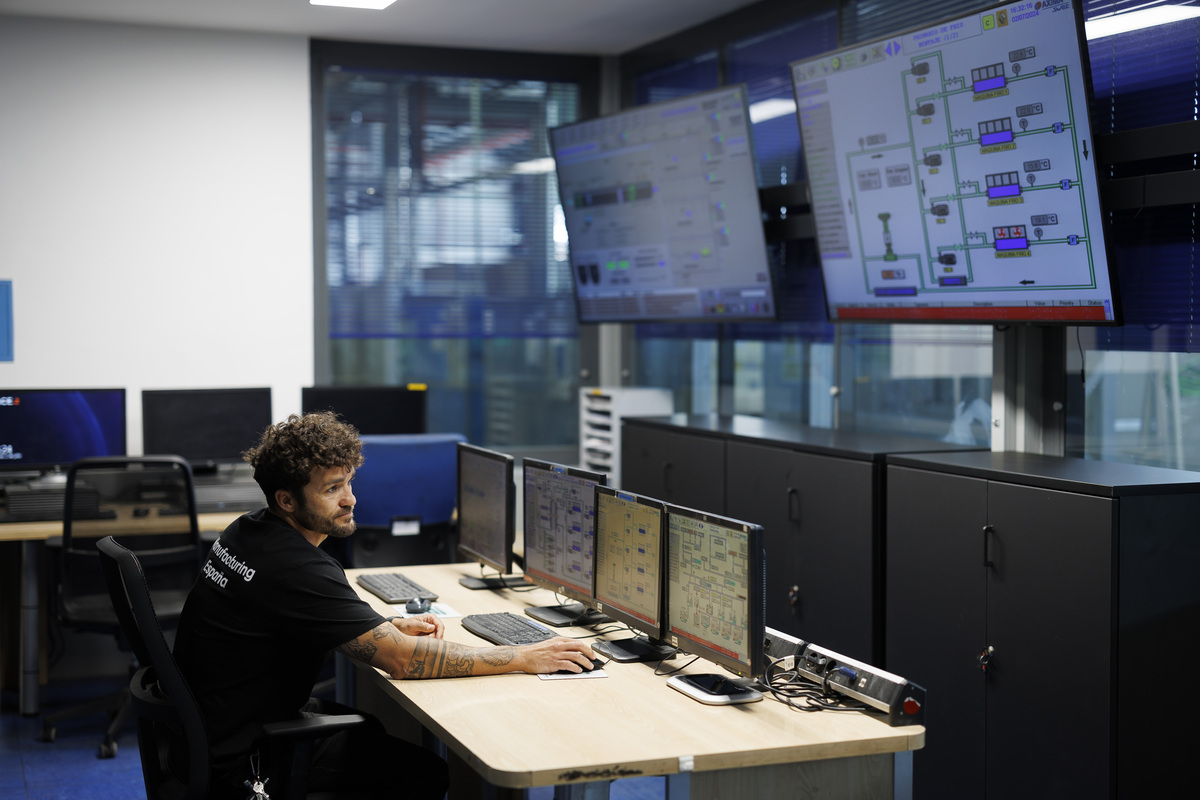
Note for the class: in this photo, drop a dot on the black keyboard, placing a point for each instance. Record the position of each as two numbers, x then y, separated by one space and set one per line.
392 587
505 628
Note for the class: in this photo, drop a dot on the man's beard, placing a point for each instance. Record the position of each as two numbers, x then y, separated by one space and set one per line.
324 525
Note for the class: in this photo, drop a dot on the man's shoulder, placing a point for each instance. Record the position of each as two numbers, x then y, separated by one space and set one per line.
262 535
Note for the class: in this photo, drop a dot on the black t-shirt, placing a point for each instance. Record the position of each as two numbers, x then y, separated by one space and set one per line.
257 625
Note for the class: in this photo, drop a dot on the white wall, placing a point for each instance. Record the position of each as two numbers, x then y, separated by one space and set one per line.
156 209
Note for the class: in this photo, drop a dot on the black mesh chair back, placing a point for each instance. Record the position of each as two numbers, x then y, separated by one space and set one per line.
166 710
149 501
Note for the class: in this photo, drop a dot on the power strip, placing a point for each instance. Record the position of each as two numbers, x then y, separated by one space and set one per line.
902 702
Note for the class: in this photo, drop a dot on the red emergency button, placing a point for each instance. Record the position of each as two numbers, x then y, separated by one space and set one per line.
911 706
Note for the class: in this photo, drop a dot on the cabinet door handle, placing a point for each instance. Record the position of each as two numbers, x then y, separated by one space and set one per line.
985 657
793 505
987 545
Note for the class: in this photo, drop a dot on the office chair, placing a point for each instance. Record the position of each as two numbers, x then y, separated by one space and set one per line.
166 708
150 499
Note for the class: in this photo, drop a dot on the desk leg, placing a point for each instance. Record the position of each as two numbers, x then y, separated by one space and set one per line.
28 680
853 778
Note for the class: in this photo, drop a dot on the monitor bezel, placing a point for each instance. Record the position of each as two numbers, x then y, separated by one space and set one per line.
261 395
772 287
882 315
420 423
502 563
756 591
579 594
617 612
12 466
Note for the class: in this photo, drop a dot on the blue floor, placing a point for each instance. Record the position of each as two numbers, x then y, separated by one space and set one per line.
68 768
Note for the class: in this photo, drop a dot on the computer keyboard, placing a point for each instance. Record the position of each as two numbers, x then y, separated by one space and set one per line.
393 587
505 628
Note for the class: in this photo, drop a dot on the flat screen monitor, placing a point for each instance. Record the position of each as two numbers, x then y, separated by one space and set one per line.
716 589
662 212
628 584
952 172
559 525
486 498
371 409
208 427
48 429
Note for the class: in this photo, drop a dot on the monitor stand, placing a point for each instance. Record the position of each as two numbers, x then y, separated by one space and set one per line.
567 614
713 689
639 648
494 582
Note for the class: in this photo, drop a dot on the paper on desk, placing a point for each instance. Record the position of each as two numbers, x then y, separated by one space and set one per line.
555 676
437 609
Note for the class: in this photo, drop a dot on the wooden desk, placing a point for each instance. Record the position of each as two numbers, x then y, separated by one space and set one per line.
516 731
31 535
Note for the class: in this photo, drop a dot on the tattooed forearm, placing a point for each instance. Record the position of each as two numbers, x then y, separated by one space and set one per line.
437 658
460 661
361 649
499 656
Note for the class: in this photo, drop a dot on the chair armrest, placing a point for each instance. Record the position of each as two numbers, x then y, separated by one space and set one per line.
312 727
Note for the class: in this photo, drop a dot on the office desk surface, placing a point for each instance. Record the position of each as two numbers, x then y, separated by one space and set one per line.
40 531
519 730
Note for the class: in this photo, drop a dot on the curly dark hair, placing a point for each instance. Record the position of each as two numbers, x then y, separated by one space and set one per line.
287 453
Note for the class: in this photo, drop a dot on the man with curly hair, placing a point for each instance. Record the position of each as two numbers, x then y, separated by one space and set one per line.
269 605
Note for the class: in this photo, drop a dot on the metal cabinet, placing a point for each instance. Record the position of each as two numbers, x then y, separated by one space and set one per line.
674 466
1025 593
816 492
816 512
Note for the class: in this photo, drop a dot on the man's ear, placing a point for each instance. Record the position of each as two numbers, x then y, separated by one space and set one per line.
285 501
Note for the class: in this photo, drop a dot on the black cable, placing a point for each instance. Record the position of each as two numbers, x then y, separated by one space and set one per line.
801 693
658 666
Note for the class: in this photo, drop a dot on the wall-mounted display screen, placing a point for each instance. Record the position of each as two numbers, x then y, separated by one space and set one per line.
952 172
662 212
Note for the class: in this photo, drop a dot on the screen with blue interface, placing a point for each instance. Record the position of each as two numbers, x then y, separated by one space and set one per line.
715 588
485 506
559 526
662 212
952 172
42 429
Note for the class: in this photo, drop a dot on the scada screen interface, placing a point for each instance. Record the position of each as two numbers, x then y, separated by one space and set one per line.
952 172
662 212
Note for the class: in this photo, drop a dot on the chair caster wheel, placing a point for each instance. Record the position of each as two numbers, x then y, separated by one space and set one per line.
49 734
107 750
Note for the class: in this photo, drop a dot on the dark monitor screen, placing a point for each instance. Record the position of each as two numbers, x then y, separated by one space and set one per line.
662 212
205 426
716 589
952 172
486 500
371 409
44 429
559 526
628 585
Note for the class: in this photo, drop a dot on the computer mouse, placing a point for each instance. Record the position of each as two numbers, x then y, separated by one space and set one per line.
418 605
596 664
141 512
